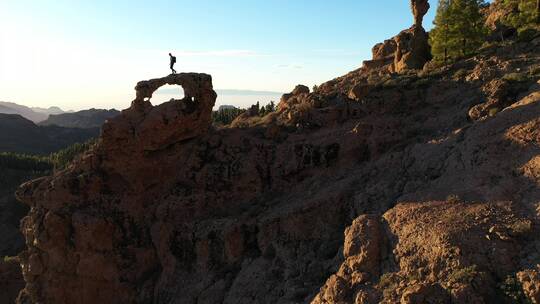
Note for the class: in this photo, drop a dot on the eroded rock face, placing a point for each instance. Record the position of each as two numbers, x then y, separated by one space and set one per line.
409 50
82 243
413 50
176 211
362 250
150 128
435 263
530 281
499 94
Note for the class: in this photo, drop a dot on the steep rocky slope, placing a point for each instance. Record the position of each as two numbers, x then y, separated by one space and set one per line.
417 187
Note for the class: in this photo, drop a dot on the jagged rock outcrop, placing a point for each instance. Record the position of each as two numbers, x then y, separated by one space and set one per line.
413 50
83 243
530 281
494 14
419 9
408 50
167 209
428 259
146 128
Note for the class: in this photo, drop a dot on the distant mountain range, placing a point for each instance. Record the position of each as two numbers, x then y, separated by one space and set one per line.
50 111
93 118
35 114
26 112
20 135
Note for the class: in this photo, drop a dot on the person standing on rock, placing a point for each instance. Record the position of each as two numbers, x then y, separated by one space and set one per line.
172 62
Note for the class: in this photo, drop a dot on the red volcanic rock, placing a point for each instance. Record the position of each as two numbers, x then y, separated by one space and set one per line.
167 209
150 128
362 250
435 262
385 49
409 50
530 280
359 91
299 91
413 50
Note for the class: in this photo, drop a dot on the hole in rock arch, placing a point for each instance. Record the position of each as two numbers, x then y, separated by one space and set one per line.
166 93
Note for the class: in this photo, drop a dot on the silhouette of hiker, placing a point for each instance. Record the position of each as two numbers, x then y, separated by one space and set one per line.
173 61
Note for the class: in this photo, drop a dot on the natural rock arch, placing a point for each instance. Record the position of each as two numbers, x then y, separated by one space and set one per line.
196 87
144 127
167 93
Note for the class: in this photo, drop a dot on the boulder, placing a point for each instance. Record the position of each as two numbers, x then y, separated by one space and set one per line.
408 50
530 281
298 92
497 93
385 49
362 251
413 50
359 91
425 294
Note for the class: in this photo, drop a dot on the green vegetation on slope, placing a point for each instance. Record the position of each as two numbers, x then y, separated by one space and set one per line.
459 29
524 16
16 169
524 13
227 115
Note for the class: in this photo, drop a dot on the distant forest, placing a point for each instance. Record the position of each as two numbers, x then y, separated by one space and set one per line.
226 116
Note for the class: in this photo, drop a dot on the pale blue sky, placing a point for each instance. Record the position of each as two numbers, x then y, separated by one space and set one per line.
80 54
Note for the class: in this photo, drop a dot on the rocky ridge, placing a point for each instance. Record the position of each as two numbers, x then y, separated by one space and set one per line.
85 119
378 187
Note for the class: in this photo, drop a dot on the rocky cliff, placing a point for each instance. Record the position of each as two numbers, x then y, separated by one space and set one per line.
377 187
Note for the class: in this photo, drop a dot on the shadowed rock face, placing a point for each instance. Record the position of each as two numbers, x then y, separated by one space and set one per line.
11 280
429 240
167 209
143 127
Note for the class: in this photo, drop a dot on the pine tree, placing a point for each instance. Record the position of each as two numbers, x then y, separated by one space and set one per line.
525 13
459 29
537 12
440 35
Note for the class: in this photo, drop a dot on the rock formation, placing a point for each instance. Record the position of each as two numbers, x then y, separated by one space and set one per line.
419 9
168 209
147 128
373 188
408 50
435 263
